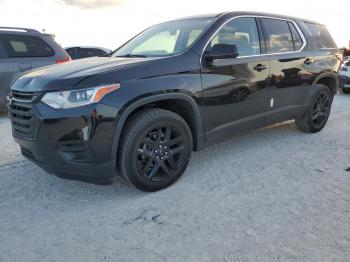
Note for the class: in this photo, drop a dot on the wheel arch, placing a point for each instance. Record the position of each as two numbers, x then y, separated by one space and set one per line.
328 79
180 103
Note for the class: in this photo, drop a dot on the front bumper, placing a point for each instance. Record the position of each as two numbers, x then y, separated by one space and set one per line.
71 143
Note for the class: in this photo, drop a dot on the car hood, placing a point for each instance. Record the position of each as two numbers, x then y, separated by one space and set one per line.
65 76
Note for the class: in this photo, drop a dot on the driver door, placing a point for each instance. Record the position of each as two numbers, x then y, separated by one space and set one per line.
235 93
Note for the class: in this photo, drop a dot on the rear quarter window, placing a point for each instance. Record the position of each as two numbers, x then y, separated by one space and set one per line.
320 35
25 46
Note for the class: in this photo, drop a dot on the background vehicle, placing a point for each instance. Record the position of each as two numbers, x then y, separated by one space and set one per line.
344 76
176 87
23 49
79 52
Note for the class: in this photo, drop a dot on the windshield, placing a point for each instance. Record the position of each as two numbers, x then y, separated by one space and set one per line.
165 39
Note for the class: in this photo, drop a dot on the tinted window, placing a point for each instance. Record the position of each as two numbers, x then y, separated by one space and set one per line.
242 32
298 42
278 36
321 36
25 46
72 52
99 52
90 52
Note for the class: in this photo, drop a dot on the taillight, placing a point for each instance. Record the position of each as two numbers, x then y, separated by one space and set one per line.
60 61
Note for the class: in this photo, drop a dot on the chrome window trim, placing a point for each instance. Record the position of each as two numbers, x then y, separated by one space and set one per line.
267 54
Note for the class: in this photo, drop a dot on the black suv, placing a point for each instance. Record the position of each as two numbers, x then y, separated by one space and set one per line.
172 89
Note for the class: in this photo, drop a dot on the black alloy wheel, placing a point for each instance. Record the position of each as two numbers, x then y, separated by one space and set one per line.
321 109
317 111
156 149
160 152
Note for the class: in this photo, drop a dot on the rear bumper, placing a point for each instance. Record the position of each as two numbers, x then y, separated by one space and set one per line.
73 144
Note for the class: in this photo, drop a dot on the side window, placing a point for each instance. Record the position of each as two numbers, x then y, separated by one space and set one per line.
102 53
99 52
321 37
298 42
25 46
242 32
88 52
278 36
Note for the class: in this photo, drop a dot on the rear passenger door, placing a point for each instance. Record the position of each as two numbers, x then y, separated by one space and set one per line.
289 80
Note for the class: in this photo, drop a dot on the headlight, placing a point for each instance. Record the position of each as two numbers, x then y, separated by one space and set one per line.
80 97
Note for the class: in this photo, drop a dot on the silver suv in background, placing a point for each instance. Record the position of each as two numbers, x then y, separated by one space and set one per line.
23 49
79 52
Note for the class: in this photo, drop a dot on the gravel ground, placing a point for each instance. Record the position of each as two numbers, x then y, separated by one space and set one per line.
275 194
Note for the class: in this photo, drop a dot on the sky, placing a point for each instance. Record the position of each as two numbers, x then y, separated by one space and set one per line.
110 23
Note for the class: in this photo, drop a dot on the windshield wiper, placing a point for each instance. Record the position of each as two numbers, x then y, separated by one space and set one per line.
131 55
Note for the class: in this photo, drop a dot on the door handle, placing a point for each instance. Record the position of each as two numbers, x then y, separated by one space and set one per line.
308 61
259 67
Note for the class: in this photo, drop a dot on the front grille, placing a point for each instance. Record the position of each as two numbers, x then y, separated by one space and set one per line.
27 96
22 115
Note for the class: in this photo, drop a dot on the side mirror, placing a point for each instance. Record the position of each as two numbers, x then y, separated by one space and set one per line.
222 51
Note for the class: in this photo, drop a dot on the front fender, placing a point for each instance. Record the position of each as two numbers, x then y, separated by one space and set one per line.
133 105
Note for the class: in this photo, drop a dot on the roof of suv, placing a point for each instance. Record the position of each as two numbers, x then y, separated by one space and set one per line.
241 13
17 29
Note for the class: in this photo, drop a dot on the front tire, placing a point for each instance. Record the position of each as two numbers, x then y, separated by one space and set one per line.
156 149
318 110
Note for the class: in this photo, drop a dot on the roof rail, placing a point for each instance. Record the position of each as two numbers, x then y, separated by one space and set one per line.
5 28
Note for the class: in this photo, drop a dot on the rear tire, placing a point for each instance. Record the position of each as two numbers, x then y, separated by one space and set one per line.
155 150
318 110
346 90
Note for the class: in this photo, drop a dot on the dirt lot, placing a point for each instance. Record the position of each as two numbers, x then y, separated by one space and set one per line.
275 194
